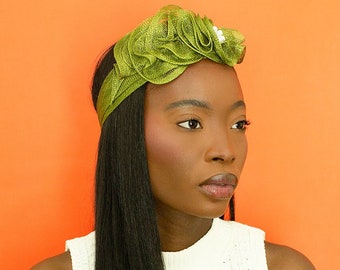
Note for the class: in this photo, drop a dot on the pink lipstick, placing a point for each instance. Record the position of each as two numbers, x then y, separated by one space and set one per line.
220 186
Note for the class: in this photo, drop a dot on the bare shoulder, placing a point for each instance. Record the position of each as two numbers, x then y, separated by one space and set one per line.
285 258
59 262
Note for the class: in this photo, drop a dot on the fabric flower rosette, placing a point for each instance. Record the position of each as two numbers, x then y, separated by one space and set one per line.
161 48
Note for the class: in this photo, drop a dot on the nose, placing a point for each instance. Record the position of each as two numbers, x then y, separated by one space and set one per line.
220 149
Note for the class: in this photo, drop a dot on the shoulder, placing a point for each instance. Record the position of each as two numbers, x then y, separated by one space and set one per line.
59 262
285 258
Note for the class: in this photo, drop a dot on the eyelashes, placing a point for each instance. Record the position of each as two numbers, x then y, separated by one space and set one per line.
196 124
241 125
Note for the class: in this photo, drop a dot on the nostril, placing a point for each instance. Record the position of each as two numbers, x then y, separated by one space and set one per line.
223 159
218 159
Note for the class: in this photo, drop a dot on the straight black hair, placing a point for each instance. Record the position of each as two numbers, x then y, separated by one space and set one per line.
125 218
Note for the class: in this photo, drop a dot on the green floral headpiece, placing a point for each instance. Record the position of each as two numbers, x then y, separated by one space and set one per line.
160 49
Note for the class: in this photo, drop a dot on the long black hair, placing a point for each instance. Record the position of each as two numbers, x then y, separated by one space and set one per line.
125 219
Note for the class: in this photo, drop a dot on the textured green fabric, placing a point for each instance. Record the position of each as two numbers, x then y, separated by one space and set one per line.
160 49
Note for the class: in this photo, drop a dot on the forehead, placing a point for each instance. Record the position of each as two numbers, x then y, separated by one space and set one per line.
206 80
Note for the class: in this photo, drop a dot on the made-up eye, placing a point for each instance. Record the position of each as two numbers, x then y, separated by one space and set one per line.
241 125
190 124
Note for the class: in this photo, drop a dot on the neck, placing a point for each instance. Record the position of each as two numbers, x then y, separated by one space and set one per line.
178 231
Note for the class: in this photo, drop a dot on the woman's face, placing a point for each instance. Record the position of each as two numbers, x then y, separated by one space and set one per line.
195 140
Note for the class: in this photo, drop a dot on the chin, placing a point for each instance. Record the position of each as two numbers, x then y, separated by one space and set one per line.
213 213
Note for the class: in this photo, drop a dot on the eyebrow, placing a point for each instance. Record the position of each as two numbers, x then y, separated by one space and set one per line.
188 102
237 104
201 104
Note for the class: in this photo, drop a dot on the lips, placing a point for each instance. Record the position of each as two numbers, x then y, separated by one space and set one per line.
220 186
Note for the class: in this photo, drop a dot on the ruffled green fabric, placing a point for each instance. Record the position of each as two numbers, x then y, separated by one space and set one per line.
160 49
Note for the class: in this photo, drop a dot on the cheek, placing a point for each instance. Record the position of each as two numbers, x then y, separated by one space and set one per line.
163 161
243 146
169 160
162 149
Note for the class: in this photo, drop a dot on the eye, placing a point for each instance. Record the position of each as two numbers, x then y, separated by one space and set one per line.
190 124
241 125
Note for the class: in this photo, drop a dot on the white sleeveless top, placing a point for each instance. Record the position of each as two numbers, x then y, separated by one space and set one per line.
227 245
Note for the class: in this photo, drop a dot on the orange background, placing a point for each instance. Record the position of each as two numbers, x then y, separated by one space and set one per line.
49 131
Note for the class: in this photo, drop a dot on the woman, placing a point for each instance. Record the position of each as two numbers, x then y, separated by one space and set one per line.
171 152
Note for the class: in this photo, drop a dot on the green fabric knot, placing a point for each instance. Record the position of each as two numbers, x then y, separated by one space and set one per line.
160 49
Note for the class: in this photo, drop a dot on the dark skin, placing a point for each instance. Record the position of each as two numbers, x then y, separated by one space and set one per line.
204 152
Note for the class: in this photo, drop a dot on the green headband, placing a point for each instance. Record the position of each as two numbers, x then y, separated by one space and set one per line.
160 49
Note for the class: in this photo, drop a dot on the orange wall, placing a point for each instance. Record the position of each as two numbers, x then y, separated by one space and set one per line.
49 131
